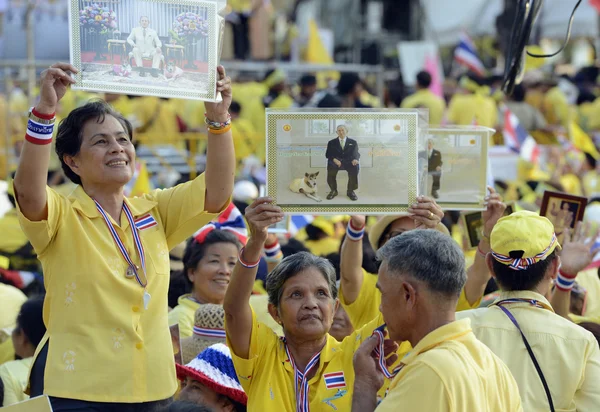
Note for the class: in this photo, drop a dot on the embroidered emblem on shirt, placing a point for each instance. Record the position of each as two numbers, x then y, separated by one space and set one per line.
338 395
334 380
116 265
145 222
70 293
118 336
69 360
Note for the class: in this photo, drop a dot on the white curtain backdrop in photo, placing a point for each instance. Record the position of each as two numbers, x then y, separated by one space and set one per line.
161 15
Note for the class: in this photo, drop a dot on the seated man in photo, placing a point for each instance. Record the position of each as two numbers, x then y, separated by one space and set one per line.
146 45
342 154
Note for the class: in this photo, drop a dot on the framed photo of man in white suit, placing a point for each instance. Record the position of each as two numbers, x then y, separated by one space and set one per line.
165 48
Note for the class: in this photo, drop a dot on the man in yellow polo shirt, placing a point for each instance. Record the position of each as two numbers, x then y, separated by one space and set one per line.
425 98
420 279
524 263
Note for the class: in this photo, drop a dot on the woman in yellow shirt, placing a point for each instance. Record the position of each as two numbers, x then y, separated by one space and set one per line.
307 368
207 267
26 336
105 258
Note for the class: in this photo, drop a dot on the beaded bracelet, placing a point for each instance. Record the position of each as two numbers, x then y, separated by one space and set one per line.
217 125
245 264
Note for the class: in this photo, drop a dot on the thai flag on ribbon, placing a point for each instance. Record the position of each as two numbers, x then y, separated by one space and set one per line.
298 222
145 222
518 139
231 219
210 333
465 54
334 380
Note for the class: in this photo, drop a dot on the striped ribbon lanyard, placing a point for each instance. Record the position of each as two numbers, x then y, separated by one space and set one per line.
301 381
379 351
138 245
532 302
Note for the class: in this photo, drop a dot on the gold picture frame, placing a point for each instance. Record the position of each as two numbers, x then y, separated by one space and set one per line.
461 163
387 143
120 68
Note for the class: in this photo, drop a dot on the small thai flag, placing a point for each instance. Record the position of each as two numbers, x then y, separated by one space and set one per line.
518 139
465 54
334 380
145 222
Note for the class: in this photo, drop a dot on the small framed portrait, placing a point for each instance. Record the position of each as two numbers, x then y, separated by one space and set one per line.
165 48
176 341
563 210
342 161
473 224
453 166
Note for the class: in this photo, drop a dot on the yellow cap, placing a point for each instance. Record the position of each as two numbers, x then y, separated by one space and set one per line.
523 231
324 224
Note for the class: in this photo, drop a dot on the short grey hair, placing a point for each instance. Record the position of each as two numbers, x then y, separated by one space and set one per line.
428 256
291 266
344 126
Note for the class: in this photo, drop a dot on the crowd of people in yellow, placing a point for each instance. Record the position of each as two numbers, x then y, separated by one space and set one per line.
350 313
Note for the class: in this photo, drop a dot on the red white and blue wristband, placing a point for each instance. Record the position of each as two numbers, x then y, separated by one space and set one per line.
565 282
246 264
353 233
40 128
273 252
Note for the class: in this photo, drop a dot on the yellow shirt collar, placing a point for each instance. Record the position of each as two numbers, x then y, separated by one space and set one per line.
525 294
85 204
329 350
440 335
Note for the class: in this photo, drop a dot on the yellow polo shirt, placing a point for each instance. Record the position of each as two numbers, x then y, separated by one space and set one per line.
14 376
567 354
366 307
94 314
267 376
426 99
450 370
588 279
465 109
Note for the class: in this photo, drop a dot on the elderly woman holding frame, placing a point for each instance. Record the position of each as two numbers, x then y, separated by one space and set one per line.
307 369
105 257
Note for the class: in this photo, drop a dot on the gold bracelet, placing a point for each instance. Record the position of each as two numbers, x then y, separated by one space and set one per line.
220 131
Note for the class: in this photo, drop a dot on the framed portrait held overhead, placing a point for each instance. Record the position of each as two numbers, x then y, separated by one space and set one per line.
453 166
473 225
343 161
563 210
165 48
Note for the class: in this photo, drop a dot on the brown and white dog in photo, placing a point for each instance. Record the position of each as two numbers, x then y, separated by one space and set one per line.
306 185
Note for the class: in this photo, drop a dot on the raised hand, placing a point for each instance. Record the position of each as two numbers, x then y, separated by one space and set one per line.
495 209
576 253
261 214
219 111
54 83
426 213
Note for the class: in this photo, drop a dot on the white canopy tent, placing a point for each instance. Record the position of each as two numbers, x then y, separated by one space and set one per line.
445 19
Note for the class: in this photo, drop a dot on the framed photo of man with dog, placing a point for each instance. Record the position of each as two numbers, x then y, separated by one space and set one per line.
165 48
343 161
453 166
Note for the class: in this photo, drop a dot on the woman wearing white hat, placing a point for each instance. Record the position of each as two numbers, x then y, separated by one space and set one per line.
358 294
